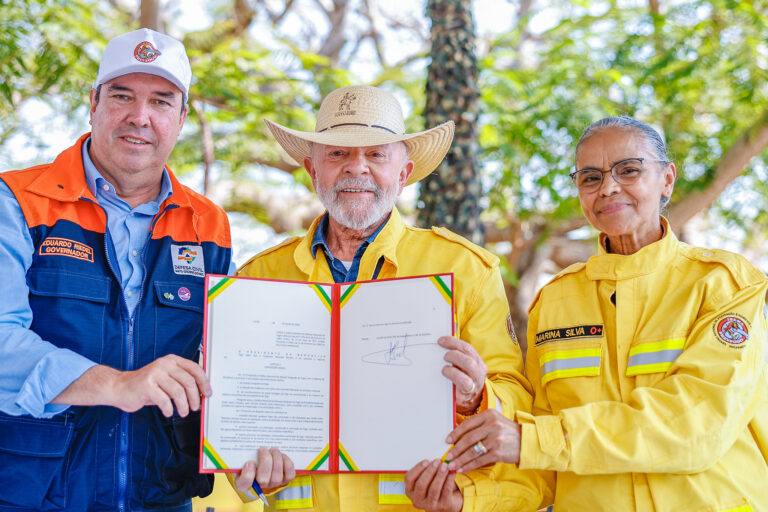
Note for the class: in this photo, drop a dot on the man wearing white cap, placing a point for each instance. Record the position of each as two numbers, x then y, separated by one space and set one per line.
360 158
103 254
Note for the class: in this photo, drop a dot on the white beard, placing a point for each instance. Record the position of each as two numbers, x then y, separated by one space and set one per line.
358 214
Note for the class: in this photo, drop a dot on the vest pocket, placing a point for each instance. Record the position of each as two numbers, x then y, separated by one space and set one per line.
33 461
569 372
298 494
392 489
178 318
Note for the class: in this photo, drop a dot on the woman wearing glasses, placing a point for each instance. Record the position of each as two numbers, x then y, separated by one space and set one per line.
646 361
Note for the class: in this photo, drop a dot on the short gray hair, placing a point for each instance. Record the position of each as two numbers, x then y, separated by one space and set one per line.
651 137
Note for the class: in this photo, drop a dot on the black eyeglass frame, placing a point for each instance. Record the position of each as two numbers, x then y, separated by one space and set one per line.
614 166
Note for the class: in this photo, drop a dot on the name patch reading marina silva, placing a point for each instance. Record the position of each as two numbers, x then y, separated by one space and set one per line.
569 333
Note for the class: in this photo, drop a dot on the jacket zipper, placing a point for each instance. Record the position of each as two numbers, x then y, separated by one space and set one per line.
122 464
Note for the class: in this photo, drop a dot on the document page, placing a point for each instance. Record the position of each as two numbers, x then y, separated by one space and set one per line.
267 354
395 406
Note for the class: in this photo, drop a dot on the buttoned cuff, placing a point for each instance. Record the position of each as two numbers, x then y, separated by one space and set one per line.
543 442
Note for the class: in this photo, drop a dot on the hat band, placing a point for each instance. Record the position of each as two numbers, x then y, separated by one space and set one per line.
358 124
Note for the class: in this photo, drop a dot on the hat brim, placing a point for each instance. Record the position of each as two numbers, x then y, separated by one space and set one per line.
426 149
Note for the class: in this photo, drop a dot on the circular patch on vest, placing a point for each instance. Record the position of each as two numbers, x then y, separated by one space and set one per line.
731 330
184 293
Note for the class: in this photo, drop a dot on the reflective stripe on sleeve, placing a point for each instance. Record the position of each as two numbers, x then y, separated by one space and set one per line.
580 362
653 357
298 494
392 490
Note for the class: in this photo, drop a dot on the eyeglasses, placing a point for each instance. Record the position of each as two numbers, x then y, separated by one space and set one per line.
625 172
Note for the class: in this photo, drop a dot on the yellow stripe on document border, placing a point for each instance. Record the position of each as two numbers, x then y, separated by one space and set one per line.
213 456
444 290
320 291
320 459
219 287
351 289
346 459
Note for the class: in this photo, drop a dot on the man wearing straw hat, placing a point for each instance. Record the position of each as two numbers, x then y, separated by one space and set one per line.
360 158
104 254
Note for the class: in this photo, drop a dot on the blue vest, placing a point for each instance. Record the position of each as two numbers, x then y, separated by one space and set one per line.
100 458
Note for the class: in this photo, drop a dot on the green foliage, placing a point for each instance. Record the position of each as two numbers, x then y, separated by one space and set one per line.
697 73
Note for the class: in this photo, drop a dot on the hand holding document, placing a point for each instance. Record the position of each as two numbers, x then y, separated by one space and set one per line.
343 377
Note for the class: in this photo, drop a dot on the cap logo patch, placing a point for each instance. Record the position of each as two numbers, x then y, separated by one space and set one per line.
731 330
145 52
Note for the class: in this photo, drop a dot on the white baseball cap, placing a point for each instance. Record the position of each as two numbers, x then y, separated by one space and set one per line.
146 51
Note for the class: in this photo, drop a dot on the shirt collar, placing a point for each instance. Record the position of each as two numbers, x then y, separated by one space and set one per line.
649 259
95 180
320 241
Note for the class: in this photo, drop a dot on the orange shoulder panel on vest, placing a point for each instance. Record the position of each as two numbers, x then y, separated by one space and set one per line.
43 210
196 219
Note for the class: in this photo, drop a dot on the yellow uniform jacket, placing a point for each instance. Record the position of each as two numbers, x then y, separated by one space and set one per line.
650 382
482 314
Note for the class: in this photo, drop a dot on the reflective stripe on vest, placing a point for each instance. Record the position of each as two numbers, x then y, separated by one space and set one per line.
392 490
580 362
654 357
298 494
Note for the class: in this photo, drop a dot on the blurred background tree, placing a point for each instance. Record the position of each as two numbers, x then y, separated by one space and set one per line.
694 69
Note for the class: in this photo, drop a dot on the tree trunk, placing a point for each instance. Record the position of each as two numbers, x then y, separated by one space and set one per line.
450 196
149 16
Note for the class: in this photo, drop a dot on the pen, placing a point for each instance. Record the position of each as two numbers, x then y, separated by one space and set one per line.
256 487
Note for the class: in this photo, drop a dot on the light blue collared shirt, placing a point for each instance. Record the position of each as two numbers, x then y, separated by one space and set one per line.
128 227
33 371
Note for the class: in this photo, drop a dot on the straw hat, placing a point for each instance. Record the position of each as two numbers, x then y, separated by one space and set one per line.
359 116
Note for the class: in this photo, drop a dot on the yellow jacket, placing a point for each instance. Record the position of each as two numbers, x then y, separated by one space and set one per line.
481 313
656 403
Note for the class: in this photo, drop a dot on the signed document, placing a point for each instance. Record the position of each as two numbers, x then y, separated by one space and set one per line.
342 377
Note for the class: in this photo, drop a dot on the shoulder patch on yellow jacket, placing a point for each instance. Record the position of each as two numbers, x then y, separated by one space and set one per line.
742 271
488 257
570 269
272 249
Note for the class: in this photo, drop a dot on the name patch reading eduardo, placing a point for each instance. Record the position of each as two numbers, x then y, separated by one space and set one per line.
569 333
55 246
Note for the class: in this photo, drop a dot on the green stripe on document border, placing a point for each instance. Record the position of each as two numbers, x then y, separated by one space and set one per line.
219 287
213 456
320 291
346 459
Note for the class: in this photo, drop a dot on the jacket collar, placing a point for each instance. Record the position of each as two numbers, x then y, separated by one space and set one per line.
64 180
649 259
385 244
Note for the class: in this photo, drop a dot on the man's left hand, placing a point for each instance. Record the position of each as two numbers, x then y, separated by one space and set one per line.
467 371
431 487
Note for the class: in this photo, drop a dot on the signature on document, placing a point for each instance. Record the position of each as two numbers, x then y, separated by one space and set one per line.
395 354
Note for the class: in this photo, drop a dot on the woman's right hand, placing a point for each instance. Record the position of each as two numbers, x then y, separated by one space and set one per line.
484 439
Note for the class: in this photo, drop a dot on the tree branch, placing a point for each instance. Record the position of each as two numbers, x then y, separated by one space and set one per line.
733 163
